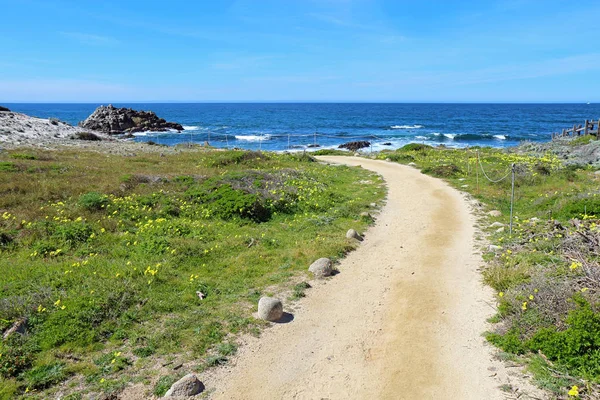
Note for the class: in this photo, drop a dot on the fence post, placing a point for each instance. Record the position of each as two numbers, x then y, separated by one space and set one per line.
315 139
564 133
288 141
226 141
512 199
585 130
574 129
477 171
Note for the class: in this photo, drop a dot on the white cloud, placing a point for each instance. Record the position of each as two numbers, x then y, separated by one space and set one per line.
90 39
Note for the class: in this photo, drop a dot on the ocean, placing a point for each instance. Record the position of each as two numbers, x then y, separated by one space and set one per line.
283 126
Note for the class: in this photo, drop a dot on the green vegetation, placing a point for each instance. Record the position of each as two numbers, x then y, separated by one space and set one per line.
547 273
105 257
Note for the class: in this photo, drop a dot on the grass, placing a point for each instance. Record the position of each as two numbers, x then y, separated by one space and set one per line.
104 255
547 273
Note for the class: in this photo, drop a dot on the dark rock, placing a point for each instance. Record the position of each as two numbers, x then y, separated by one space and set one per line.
114 120
310 146
353 146
4 109
387 144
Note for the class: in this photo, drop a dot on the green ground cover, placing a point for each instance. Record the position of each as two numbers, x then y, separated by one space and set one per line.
106 257
547 273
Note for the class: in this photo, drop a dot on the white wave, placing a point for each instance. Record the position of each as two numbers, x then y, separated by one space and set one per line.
436 134
421 137
450 135
140 134
190 127
500 137
406 126
253 138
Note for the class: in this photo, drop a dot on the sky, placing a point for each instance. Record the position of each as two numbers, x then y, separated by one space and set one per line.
299 50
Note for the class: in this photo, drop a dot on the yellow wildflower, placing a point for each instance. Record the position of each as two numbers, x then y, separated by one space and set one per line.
574 392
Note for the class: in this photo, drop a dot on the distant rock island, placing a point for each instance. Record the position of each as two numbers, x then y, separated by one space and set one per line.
112 120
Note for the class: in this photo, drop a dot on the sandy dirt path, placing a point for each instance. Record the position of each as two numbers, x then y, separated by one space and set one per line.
402 320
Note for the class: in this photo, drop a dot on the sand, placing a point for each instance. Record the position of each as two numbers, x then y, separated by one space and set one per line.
402 320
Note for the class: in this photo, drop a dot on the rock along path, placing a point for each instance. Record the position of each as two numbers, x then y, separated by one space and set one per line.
402 320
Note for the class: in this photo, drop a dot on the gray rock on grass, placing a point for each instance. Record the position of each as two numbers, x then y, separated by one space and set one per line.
497 225
321 268
494 213
493 247
270 309
352 234
187 386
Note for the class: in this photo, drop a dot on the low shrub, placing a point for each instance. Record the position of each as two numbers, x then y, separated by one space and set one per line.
93 201
415 147
88 136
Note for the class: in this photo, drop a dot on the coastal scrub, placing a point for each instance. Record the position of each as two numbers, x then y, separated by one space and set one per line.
119 264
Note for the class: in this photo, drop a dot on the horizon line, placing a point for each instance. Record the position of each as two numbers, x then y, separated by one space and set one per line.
293 102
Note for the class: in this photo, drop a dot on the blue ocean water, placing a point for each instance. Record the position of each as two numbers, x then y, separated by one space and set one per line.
281 126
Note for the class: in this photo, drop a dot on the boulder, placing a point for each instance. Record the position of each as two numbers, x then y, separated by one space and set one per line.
187 386
493 247
494 213
365 214
497 225
500 230
114 120
353 146
270 309
321 268
4 109
387 144
352 234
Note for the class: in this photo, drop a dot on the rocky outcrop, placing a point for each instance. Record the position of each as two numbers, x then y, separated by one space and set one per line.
21 129
112 120
4 109
353 146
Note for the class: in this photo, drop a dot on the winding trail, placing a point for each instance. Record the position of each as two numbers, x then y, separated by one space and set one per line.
402 320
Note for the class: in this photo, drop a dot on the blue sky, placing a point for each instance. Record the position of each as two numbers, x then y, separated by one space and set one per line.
286 50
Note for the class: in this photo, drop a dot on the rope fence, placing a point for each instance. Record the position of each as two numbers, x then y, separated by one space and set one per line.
304 142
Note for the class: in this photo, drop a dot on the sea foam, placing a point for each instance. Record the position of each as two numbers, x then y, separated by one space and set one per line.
253 138
406 126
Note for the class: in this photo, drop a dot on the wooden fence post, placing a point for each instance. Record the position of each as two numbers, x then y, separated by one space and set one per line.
585 130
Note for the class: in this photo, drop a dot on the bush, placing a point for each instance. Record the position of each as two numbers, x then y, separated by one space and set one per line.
93 201
44 376
577 347
8 167
88 136
227 203
443 171
415 147
163 384
23 156
17 355
72 233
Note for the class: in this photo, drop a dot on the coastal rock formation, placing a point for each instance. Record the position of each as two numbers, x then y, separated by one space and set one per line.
21 129
187 386
353 146
4 109
321 268
112 120
270 309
